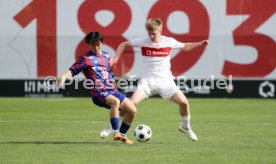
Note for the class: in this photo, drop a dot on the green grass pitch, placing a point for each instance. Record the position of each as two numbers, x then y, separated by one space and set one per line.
66 130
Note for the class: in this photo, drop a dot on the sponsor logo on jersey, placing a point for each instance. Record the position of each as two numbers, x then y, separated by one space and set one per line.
154 52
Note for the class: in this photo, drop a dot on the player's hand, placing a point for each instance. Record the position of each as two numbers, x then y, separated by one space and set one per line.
204 42
60 82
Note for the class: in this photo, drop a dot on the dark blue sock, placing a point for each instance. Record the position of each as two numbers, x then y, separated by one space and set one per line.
124 128
115 123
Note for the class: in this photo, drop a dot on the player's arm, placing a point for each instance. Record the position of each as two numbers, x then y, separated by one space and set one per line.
191 46
75 69
122 46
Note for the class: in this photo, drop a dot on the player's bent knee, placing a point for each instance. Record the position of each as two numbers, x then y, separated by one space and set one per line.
184 105
132 110
115 102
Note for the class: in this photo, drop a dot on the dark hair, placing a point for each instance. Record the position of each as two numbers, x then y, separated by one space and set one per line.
93 38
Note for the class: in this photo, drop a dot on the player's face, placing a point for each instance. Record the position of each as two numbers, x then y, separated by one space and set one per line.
96 48
155 35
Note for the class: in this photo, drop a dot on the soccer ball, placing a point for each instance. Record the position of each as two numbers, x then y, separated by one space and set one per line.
142 133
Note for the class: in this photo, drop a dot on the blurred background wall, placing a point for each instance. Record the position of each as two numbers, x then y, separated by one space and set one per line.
41 38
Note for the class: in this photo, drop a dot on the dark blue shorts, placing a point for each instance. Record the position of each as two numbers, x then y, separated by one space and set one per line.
99 97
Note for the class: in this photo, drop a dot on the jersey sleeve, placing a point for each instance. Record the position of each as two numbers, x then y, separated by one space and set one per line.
176 44
78 66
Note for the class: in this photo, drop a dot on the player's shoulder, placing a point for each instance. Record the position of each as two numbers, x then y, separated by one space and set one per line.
167 38
87 56
139 40
84 56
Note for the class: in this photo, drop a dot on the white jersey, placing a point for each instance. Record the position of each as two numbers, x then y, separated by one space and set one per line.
156 56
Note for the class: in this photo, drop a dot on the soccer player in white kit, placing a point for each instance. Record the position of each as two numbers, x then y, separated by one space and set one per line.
157 77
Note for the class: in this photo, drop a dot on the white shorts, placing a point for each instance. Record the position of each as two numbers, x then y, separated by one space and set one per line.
166 88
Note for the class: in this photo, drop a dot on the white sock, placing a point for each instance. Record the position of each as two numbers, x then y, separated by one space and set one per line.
186 122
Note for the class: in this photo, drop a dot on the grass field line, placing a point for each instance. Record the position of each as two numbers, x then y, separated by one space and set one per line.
50 121
94 122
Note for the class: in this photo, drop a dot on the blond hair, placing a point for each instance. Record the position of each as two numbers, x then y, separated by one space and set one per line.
153 24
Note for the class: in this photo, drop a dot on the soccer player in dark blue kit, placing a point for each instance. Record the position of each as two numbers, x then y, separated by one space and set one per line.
95 66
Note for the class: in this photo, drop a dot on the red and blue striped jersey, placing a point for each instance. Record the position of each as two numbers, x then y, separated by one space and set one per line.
96 69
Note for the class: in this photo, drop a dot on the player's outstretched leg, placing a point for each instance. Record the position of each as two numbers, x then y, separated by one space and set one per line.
114 103
129 110
184 111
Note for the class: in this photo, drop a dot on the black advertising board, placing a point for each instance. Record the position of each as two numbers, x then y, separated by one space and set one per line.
209 88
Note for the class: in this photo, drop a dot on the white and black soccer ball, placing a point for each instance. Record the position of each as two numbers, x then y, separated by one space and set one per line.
142 133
